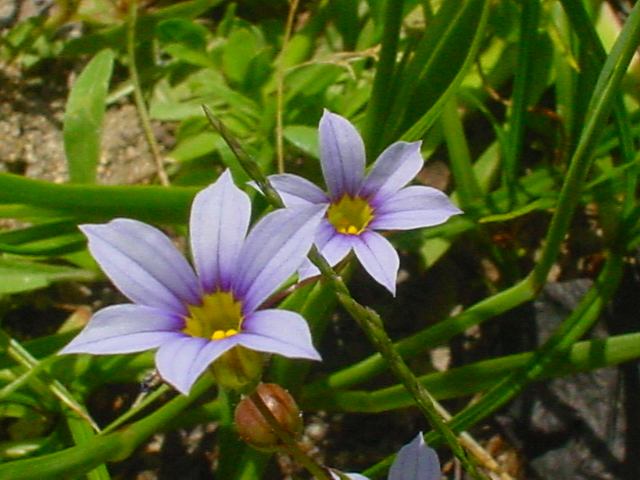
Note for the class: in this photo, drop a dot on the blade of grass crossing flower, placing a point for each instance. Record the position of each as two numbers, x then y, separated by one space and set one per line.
83 117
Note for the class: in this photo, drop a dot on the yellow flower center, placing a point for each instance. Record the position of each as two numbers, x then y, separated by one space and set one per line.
219 316
350 216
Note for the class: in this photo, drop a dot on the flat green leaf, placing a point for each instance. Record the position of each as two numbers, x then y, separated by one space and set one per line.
83 118
305 138
20 276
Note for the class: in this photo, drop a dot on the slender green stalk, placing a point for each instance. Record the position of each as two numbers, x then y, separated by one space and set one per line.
381 95
290 443
139 98
293 6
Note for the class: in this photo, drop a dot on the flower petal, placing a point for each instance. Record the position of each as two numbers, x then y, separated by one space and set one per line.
379 258
126 328
413 207
394 168
297 191
274 250
415 461
352 476
143 263
181 361
219 222
332 245
342 156
278 331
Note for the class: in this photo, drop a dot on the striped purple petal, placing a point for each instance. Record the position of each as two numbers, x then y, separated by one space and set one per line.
342 155
181 361
219 222
297 191
143 263
273 251
413 207
379 258
278 331
393 169
126 328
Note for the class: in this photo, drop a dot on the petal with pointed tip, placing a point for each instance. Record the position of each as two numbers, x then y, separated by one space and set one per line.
379 258
414 207
278 331
415 461
181 361
219 221
297 191
394 168
126 328
143 263
273 251
342 155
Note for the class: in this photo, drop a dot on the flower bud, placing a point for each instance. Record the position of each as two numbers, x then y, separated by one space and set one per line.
254 429
238 369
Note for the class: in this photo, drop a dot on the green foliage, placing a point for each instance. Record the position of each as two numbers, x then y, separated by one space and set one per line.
524 116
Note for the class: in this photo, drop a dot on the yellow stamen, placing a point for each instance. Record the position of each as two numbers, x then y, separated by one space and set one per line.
220 334
350 215
219 316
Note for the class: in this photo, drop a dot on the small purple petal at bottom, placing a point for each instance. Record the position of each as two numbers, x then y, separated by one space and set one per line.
379 259
181 361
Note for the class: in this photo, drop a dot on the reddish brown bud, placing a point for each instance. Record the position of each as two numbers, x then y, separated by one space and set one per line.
254 429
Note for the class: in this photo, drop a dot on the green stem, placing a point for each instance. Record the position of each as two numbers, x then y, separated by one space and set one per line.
139 98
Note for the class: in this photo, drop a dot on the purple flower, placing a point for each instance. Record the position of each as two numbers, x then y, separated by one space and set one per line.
415 461
360 204
195 319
